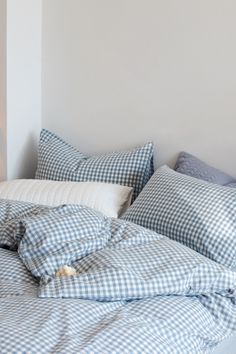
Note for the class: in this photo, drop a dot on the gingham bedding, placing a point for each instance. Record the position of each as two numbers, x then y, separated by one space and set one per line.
59 161
10 226
134 292
199 214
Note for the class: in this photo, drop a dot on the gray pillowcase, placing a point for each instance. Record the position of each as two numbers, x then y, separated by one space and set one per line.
190 165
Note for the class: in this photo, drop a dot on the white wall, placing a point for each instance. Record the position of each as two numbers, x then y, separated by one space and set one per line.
20 86
119 73
2 88
23 86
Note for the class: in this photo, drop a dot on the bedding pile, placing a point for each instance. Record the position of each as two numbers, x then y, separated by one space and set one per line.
134 290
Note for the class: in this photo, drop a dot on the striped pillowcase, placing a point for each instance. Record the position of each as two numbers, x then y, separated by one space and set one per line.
59 161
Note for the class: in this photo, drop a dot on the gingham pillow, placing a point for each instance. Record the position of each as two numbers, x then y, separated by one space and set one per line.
199 214
59 161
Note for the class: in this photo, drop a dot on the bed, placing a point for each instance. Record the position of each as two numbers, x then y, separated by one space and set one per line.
77 280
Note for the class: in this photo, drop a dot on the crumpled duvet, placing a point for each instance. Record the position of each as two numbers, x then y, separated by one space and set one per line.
134 291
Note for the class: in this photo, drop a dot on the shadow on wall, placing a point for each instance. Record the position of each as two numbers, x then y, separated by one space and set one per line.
28 159
3 161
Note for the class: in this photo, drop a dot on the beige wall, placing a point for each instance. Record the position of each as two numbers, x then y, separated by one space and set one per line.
119 73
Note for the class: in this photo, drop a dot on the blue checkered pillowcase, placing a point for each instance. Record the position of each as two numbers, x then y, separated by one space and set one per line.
59 161
196 213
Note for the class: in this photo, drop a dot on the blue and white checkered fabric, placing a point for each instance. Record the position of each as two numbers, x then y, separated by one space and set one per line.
168 298
196 213
60 237
100 249
59 161
15 279
11 229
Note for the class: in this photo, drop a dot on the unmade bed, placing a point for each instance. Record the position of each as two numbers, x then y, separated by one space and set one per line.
102 255
134 290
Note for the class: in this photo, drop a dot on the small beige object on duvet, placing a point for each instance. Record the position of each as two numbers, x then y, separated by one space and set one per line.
65 271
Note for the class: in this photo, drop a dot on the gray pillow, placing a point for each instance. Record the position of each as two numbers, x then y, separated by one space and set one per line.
190 165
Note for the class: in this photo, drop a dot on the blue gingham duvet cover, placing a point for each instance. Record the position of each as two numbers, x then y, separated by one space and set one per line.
134 291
